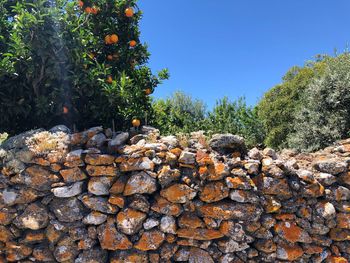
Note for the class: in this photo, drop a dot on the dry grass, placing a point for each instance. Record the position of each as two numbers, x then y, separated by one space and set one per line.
43 143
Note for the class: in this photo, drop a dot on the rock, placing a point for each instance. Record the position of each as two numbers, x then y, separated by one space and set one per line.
17 252
74 158
244 196
292 233
96 141
150 240
34 217
178 193
187 157
265 245
213 192
67 209
163 206
333 167
43 254
66 250
99 159
10 197
111 239
343 220
100 185
167 175
118 140
289 252
130 221
99 204
230 246
255 154
197 255
68 191
5 234
60 128
119 185
219 172
150 223
273 186
94 255
325 179
101 170
270 152
306 176
19 141
168 225
238 183
326 210
73 175
227 143
189 220
199 233
140 183
252 167
230 210
37 178
139 202
7 215
95 218
137 164
129 256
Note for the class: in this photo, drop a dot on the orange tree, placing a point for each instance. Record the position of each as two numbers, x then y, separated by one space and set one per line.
76 63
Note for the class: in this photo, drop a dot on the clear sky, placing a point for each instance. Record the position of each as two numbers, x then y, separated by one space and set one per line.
238 47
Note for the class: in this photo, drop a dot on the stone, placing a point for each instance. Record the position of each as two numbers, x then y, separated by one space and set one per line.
233 230
34 217
67 209
16 252
227 143
43 254
168 224
289 252
270 152
110 238
150 240
99 204
333 167
197 255
325 178
117 200
140 183
150 223
68 191
7 215
119 185
101 170
242 196
230 246
95 218
118 140
129 256
139 202
73 175
220 171
137 164
167 175
238 183
292 233
306 176
96 141
252 167
74 158
187 157
163 206
199 233
339 234
5 234
100 185
99 159
66 250
190 220
326 210
230 210
130 221
213 192
178 193
273 186
343 220
341 193
37 178
265 245
94 255
255 154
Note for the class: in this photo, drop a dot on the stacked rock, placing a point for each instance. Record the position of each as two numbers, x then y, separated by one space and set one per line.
99 196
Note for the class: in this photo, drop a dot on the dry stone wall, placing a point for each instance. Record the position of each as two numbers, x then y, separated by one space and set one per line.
99 196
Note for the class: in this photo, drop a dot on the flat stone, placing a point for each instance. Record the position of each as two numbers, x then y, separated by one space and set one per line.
140 183
100 185
187 157
274 186
130 221
137 164
68 191
7 215
242 196
67 209
66 250
16 252
101 170
333 167
326 210
34 217
292 233
110 238
139 202
163 206
265 245
95 218
94 255
178 193
118 140
230 246
190 220
96 141
99 204
197 255
167 175
289 252
150 223
73 175
227 143
199 233
150 240
43 254
129 256
99 159
74 158
343 220
213 192
168 224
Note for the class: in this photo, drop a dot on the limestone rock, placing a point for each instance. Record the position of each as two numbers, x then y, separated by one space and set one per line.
68 191
111 239
213 192
67 209
178 193
150 240
140 183
130 221
227 143
34 217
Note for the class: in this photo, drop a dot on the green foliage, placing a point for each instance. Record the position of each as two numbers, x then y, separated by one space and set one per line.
277 108
178 114
53 58
236 118
325 113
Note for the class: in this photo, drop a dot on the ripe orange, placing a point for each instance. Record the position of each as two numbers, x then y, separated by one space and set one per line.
110 57
108 39
114 38
148 91
88 10
81 4
109 80
136 122
65 110
129 12
94 10
132 43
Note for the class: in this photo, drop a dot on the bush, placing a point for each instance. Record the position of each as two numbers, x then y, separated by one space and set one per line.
54 64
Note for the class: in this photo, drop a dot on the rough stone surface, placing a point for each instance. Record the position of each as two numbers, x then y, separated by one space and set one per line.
153 200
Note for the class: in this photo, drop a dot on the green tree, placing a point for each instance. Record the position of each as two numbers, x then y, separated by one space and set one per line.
277 108
325 113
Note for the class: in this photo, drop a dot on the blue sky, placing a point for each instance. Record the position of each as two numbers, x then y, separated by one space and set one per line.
238 47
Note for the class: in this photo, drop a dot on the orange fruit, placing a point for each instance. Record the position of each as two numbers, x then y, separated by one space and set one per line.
148 91
65 110
94 10
80 4
129 12
109 80
88 10
136 122
108 39
114 38
132 43
110 57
